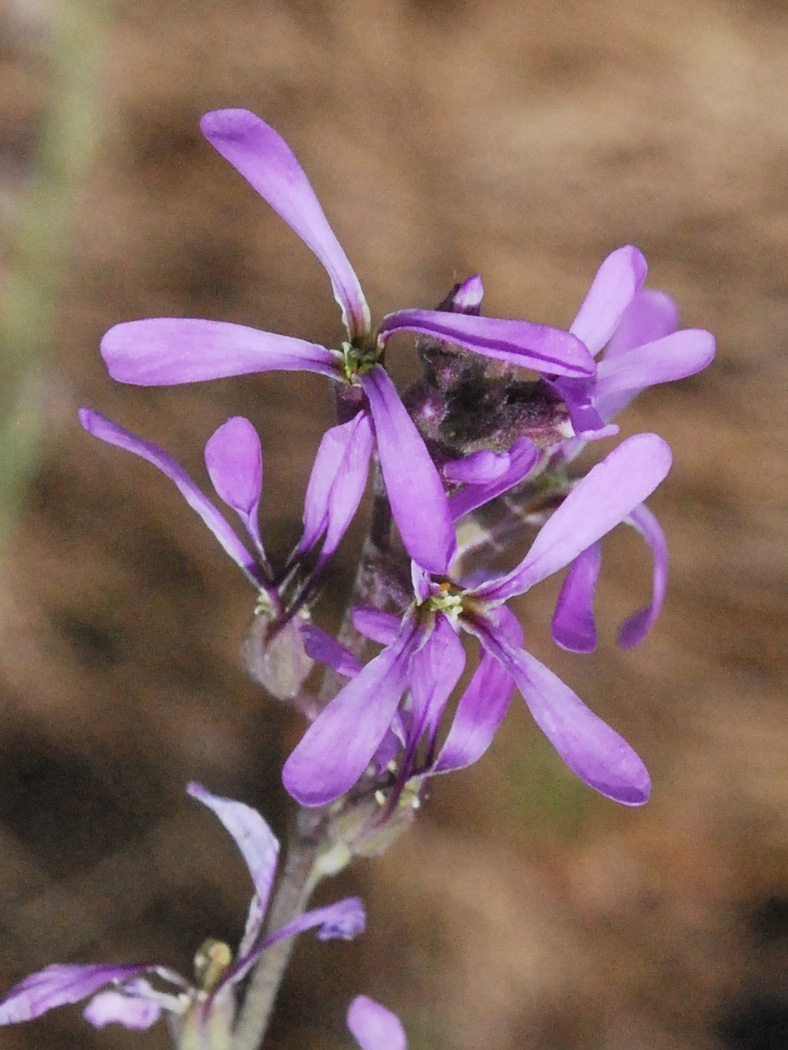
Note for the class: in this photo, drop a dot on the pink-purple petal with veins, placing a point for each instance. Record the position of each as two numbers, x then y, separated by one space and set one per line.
550 351
413 485
268 164
482 706
617 282
234 460
374 1027
675 356
338 746
324 649
132 1011
167 351
574 627
601 500
523 457
381 627
589 746
59 985
103 429
634 630
258 845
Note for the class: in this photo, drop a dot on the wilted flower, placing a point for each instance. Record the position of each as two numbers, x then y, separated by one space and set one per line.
164 351
423 653
126 994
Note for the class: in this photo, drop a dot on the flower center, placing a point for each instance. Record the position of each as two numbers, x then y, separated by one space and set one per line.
447 599
357 360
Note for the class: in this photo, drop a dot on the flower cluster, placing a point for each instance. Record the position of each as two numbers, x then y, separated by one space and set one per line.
476 453
423 658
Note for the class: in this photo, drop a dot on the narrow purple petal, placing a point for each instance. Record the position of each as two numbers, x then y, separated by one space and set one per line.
546 350
591 749
103 429
378 626
617 282
573 621
523 457
435 671
675 356
422 584
635 629
341 921
337 483
477 468
340 743
234 460
166 351
267 163
374 1027
601 500
131 1011
259 848
59 985
482 706
324 649
389 748
413 485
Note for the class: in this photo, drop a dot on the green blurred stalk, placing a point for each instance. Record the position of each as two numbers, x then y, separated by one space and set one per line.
29 301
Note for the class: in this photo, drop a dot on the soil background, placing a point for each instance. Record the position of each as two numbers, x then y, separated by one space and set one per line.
523 141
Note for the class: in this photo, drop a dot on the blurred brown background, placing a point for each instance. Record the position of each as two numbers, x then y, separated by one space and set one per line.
518 139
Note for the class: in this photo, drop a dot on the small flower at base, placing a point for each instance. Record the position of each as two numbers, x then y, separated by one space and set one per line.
125 996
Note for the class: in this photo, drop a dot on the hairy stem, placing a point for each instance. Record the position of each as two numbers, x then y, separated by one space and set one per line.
290 900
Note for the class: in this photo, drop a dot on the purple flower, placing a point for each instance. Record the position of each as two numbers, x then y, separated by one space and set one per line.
423 654
643 346
164 351
234 461
374 1027
126 994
